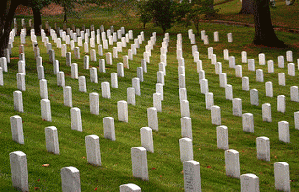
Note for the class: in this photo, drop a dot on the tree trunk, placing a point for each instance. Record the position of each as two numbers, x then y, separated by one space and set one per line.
247 7
4 35
264 32
37 21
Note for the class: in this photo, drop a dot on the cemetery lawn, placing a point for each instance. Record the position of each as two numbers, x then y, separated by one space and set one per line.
164 165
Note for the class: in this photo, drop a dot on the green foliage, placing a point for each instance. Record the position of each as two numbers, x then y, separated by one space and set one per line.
144 12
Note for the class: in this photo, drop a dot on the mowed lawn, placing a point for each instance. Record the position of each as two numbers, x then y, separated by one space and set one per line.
164 165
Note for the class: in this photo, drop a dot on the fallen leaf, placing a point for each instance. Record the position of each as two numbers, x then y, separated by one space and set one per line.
275 157
95 189
209 166
160 175
38 180
46 165
36 188
199 148
182 172
153 168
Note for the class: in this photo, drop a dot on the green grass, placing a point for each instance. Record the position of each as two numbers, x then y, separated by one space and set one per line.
164 166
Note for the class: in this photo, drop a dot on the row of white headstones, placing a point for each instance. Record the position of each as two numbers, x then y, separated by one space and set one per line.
186 120
92 141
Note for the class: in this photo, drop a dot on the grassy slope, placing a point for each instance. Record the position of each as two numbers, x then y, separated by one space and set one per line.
282 15
164 165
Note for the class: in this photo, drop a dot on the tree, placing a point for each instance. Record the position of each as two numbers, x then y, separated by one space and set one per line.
247 7
36 6
162 12
264 32
144 12
7 10
68 6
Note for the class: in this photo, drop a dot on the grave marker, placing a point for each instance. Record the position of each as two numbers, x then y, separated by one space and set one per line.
105 86
18 101
147 139
186 149
237 107
114 81
270 66
139 163
269 89
52 143
60 79
283 131
21 81
216 115
76 122
222 137
17 129
248 122
93 153
94 103
263 148
249 183
229 92
282 176
122 108
266 112
192 180
108 126
70 179
254 97
46 110
209 98
152 118
67 96
186 127
19 172
82 84
130 187
281 105
93 75
232 163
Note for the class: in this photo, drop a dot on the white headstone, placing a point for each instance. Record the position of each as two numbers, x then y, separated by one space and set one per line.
283 131
18 101
19 172
52 143
157 101
238 70
237 107
204 86
244 56
186 149
185 112
269 89
136 85
74 70
209 98
232 163
122 108
229 92
263 148
139 163
249 183
266 112
21 81
259 75
147 139
17 129
231 61
262 59
105 86
76 122
60 79
192 180
222 137
108 126
282 176
46 110
222 80
152 118
186 127
120 70
67 95
114 81
291 69
245 83
94 103
216 115
281 79
130 187
254 97
93 75
270 66
82 83
93 153
248 122
281 104
70 179
251 65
